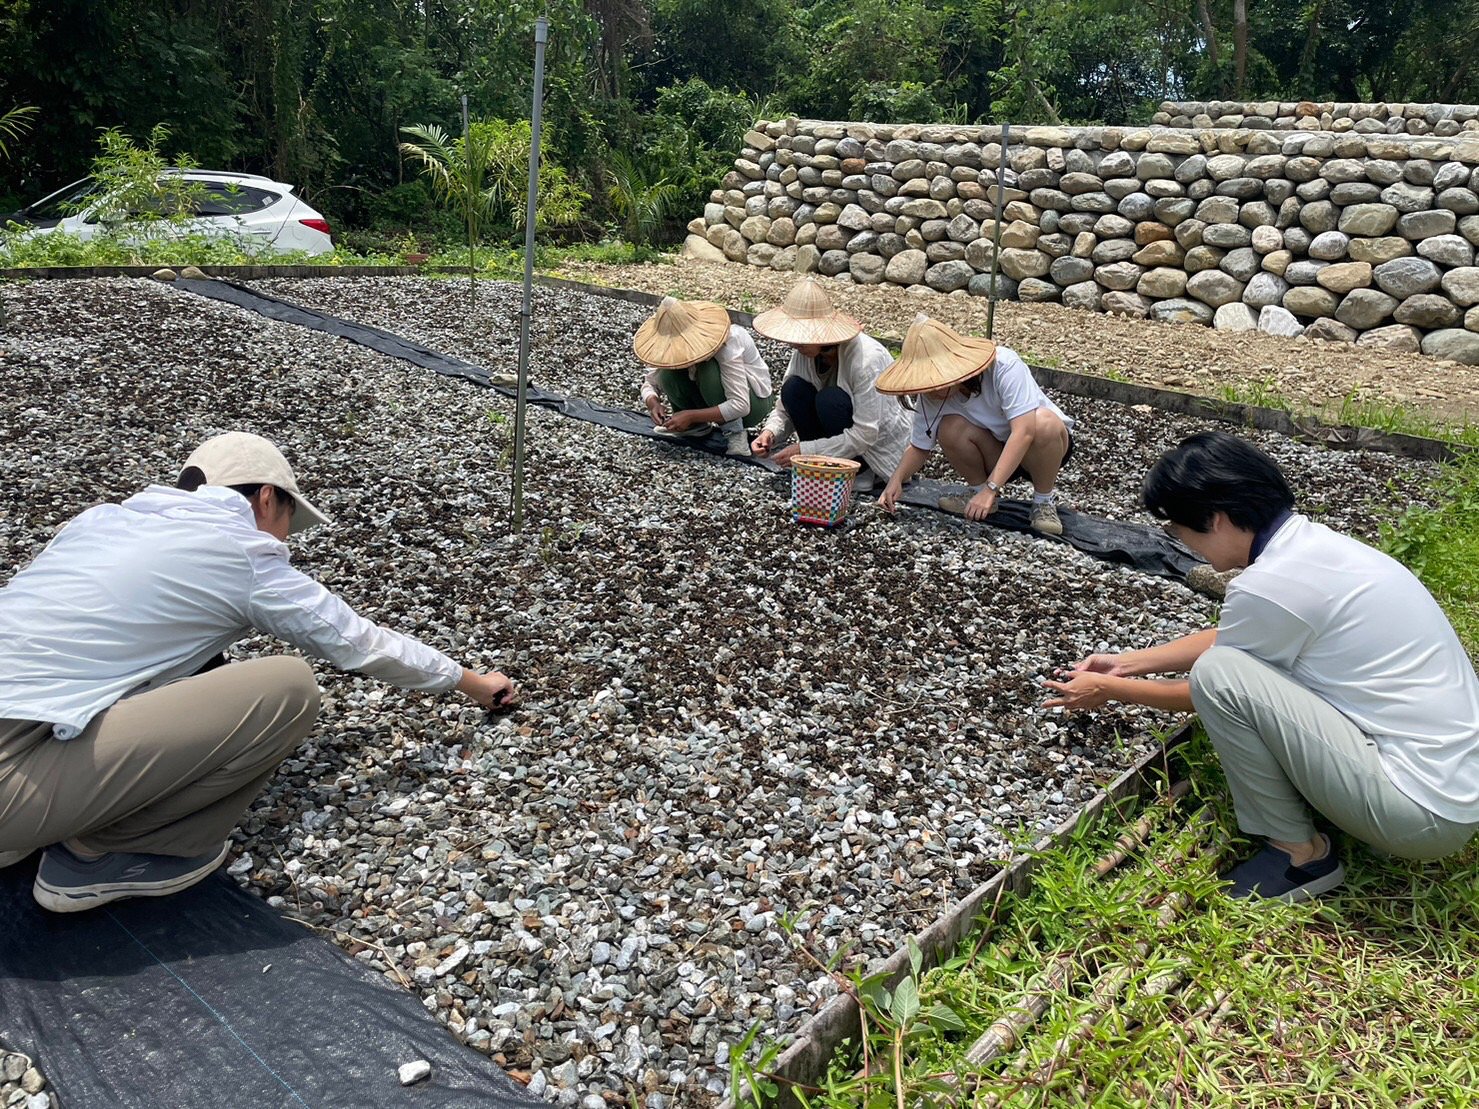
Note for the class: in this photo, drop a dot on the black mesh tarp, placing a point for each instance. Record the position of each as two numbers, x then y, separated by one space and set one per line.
210 998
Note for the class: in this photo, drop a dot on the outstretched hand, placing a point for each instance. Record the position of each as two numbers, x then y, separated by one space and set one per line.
1080 690
494 690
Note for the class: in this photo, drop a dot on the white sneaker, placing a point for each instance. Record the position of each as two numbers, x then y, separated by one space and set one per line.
739 444
865 481
697 431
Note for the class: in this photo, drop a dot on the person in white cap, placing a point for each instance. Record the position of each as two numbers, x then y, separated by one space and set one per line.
828 396
708 370
128 751
979 402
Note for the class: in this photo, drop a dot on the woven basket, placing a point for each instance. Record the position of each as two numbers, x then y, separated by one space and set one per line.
821 489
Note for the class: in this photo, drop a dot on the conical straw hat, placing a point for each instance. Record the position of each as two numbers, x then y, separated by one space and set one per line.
807 317
935 357
681 333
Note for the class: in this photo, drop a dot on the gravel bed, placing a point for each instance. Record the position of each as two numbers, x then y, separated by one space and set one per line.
727 718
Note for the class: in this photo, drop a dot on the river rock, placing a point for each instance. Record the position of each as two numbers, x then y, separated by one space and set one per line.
1181 310
1310 300
1330 331
1342 277
1447 250
1235 317
1274 320
1427 310
1454 344
1397 338
1405 277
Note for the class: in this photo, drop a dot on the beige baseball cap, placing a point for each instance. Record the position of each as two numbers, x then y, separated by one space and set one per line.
241 458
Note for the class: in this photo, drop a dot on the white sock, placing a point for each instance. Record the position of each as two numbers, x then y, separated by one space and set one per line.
1043 498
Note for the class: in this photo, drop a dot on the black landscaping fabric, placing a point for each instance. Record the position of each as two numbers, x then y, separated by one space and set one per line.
210 998
1147 549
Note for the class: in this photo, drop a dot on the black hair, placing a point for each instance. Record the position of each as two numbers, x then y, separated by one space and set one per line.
971 386
1216 472
193 477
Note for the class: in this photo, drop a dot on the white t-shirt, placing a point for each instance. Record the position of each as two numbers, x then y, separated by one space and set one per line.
128 597
1358 630
1008 390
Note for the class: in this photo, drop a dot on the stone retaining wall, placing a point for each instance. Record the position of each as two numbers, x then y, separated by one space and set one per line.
1441 120
1354 238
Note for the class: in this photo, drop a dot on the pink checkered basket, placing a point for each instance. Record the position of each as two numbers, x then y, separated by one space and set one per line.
821 489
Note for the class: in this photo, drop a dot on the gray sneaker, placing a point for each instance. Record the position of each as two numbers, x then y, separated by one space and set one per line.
1044 518
67 884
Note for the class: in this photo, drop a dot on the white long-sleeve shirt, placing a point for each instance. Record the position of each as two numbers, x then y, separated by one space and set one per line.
741 369
880 424
128 597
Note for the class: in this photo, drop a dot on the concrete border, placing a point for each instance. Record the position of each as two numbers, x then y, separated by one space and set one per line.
56 273
806 1060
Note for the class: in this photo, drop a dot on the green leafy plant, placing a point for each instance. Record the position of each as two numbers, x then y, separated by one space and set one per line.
483 176
14 124
643 203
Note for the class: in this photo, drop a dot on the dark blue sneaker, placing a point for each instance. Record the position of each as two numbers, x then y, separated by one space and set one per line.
68 884
1271 874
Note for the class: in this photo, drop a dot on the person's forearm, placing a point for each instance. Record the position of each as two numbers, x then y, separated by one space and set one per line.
1175 657
1172 696
706 415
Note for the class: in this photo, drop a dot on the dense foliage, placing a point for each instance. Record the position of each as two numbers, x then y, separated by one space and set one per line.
318 92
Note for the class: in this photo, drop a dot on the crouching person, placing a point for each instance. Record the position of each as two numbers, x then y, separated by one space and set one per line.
829 396
1332 681
979 403
127 749
708 370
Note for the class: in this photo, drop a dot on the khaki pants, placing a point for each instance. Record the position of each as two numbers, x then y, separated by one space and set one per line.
168 772
1283 749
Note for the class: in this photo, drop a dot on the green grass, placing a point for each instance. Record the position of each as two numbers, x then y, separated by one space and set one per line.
1366 998
1440 544
496 260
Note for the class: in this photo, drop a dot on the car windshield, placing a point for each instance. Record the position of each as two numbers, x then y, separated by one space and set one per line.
63 202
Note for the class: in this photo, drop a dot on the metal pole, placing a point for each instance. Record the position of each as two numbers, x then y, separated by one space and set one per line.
1001 173
541 36
472 260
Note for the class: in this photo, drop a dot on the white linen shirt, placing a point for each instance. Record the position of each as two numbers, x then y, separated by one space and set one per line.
1008 390
127 597
880 423
741 369
1359 631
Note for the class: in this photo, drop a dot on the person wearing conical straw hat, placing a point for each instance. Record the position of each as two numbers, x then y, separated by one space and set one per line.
828 396
706 368
979 402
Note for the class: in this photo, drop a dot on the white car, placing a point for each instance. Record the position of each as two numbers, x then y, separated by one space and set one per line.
261 214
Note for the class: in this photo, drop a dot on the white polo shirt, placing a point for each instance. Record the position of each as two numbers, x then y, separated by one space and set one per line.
128 597
1358 630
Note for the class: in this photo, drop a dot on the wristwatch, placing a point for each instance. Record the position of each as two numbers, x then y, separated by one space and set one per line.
993 487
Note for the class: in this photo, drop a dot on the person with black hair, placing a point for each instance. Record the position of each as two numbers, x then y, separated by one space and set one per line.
1332 680
127 751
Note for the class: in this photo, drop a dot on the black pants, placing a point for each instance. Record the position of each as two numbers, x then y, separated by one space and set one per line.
816 414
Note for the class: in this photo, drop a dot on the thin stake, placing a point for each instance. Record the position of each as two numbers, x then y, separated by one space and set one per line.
1001 173
541 36
472 276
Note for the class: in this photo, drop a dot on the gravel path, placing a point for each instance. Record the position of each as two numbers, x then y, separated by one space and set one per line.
727 718
1191 359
